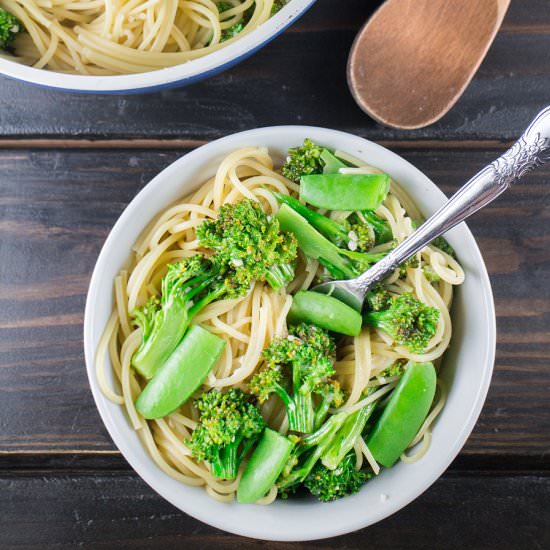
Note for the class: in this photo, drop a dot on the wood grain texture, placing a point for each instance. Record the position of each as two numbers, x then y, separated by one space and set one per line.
307 86
56 208
447 40
103 511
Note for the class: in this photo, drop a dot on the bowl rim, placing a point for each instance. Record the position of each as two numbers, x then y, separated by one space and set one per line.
308 532
169 77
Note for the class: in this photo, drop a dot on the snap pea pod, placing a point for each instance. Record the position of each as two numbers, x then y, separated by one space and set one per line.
345 191
325 312
404 414
180 376
264 467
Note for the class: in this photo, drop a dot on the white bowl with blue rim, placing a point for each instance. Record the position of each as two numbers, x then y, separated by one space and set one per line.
466 368
170 77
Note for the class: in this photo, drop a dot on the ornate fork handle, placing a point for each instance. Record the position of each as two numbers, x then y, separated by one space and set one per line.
530 151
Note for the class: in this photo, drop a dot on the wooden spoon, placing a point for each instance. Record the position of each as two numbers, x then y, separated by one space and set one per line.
413 59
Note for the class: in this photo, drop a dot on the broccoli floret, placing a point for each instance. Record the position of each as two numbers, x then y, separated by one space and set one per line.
443 245
328 485
397 368
360 235
232 31
278 5
303 160
187 287
223 6
408 321
10 26
245 237
297 368
413 262
430 274
145 317
378 298
229 426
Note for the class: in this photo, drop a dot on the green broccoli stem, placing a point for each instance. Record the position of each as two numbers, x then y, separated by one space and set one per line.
176 317
379 319
319 441
332 230
382 229
226 464
340 262
301 415
299 410
164 338
279 276
209 298
321 411
346 437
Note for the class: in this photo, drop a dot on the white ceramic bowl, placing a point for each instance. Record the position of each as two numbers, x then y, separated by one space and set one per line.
179 75
466 369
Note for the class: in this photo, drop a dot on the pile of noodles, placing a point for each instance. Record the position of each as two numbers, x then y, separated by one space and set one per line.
248 324
107 37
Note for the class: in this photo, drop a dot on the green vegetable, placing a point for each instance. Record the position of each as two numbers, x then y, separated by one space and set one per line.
264 467
232 32
224 6
341 263
355 229
378 298
278 5
10 26
404 414
324 311
243 235
187 287
430 274
305 159
443 245
408 321
297 368
346 437
179 377
345 191
330 442
382 229
308 451
310 158
328 485
331 163
229 426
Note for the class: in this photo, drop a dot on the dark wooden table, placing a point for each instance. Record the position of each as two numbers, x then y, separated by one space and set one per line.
70 163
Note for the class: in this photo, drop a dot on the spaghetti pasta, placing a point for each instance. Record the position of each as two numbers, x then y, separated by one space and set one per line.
248 324
109 37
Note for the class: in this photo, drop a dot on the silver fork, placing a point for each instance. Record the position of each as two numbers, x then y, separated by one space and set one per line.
530 151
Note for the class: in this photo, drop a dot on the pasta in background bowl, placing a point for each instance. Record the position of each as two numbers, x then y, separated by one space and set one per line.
466 370
138 46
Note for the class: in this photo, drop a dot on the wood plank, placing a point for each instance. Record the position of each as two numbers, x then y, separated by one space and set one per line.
56 208
106 510
526 16
274 87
